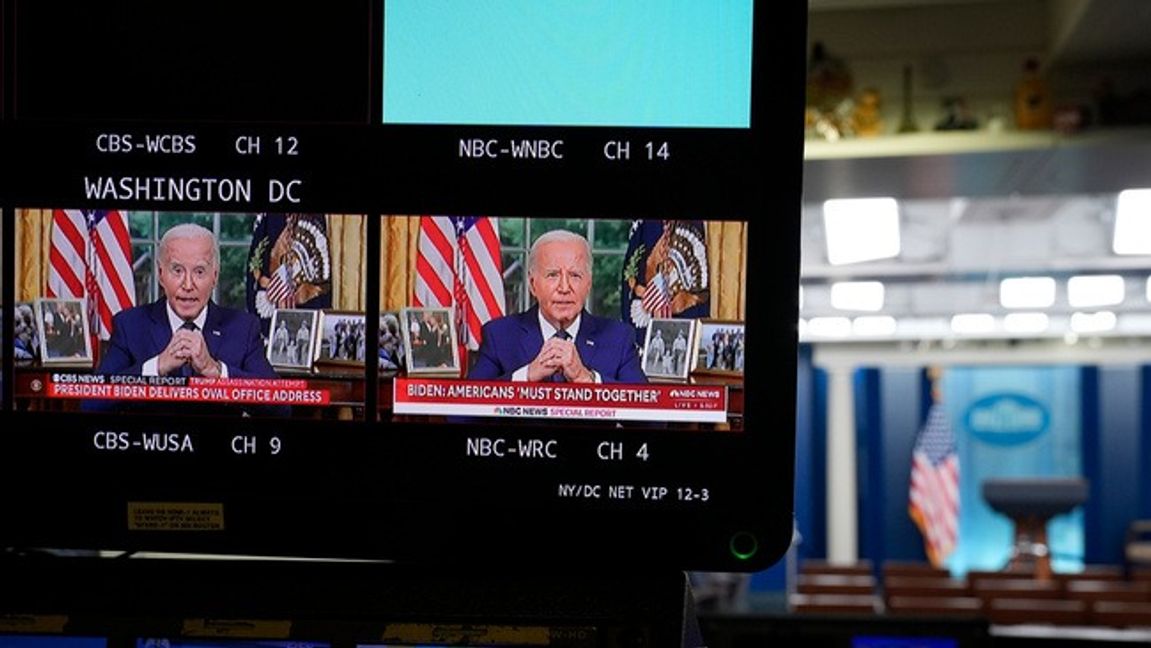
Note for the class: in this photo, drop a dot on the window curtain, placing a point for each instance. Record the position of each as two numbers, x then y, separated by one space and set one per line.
33 240
399 237
727 258
347 236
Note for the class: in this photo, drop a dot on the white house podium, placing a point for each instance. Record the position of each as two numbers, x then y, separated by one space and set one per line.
1030 503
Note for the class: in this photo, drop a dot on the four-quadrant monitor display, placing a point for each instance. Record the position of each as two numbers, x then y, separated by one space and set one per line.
481 277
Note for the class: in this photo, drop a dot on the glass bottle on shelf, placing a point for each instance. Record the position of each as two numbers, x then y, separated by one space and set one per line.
1032 99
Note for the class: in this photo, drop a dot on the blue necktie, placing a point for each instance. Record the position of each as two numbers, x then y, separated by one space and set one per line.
186 369
559 375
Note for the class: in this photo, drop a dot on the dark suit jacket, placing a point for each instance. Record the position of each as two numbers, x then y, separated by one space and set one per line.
605 345
142 332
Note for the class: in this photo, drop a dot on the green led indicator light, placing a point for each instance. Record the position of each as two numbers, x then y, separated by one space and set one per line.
743 545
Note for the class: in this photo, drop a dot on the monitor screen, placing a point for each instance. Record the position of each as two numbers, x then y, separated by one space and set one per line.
866 641
226 643
403 280
47 641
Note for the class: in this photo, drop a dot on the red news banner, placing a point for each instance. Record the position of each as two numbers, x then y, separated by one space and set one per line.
265 391
611 402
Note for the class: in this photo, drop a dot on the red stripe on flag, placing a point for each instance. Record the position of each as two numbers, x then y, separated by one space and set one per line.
433 282
474 324
66 226
118 288
118 223
491 239
435 236
484 289
66 274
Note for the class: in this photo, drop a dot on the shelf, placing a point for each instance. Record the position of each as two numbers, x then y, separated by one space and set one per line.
971 164
959 142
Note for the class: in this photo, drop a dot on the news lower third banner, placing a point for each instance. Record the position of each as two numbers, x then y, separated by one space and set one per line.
608 402
263 391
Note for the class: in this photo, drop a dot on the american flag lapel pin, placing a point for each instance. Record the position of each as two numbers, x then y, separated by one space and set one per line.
216 332
589 342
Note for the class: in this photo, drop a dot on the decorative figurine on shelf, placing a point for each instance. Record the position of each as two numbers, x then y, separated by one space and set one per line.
866 120
1071 119
829 80
956 115
829 87
1033 110
907 122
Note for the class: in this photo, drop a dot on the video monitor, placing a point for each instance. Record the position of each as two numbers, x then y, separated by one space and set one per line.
407 280
46 641
192 60
226 643
202 313
568 321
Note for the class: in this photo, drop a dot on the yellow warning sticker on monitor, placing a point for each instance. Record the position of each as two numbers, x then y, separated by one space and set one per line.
39 623
467 634
175 516
247 628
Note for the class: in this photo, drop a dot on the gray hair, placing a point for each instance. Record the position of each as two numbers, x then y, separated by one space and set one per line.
189 231
558 236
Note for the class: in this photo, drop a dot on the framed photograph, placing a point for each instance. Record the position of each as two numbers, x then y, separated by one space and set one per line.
667 348
391 346
63 329
342 338
294 336
720 348
25 334
429 336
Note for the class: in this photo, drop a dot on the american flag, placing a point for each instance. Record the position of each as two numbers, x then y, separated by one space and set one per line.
934 501
282 287
459 265
656 300
91 256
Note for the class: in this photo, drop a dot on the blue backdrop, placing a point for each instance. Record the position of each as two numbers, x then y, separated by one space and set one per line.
1013 422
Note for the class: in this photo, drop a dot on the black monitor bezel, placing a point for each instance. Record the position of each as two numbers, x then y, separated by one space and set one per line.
329 496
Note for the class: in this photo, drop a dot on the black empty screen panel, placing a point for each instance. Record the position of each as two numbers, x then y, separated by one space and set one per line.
207 60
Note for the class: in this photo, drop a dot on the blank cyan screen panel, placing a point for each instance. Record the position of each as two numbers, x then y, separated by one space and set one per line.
685 63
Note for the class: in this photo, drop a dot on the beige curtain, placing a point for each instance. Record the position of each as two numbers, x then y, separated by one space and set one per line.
727 258
33 240
399 237
347 236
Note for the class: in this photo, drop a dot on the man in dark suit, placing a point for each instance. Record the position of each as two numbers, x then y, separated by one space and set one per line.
185 333
558 340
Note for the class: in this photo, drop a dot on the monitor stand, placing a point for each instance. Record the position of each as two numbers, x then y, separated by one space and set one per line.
345 604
